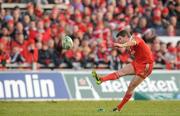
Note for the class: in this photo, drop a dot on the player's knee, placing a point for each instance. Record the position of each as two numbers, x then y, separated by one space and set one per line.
120 74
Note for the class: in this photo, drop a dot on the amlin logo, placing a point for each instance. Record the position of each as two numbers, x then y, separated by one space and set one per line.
29 87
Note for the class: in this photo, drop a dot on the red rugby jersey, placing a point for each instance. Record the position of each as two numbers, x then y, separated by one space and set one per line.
142 52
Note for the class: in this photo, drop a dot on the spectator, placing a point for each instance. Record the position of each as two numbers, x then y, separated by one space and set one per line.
54 31
5 39
31 53
42 34
163 48
4 56
160 55
165 15
129 13
99 17
2 14
156 49
77 59
102 57
114 60
87 11
149 36
86 3
19 42
157 24
16 14
173 21
148 14
26 23
16 56
44 56
30 11
93 53
170 30
170 56
11 28
142 27
171 7
53 53
134 22
38 10
20 30
86 57
77 4
89 33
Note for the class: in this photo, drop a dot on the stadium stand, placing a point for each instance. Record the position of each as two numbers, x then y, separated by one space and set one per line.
30 34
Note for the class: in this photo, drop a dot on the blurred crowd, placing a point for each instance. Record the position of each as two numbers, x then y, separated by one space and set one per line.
33 35
37 1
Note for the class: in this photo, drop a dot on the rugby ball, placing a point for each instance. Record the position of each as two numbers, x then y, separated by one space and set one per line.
67 42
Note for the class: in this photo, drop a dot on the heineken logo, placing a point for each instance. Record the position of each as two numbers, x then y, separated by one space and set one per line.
147 85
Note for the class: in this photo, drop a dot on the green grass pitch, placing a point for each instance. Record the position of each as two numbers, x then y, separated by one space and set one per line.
89 108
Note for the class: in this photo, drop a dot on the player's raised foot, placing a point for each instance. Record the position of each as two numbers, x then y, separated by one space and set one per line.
116 110
96 77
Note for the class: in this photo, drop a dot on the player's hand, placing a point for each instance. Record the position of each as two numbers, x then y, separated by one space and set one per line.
118 45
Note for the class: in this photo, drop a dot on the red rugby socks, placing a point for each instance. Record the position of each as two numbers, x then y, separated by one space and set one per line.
111 76
124 101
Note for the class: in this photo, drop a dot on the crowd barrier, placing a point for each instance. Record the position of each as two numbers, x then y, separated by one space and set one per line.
79 85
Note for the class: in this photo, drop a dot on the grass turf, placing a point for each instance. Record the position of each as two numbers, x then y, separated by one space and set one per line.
89 108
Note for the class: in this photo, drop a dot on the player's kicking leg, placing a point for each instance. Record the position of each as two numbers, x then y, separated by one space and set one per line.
127 70
96 77
133 84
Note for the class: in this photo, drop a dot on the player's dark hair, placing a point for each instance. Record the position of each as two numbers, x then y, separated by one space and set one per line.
123 33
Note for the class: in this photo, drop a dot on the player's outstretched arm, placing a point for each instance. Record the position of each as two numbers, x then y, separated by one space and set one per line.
127 44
